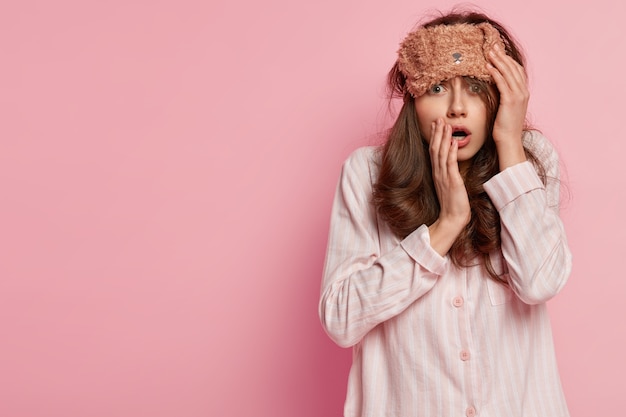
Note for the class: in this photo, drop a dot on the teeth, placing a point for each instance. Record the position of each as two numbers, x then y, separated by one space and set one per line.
459 134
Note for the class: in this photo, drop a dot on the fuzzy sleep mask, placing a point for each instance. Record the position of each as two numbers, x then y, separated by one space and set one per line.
433 54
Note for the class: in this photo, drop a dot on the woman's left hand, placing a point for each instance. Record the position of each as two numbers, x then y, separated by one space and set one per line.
510 80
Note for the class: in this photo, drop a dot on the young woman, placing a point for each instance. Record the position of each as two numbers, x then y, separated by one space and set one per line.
445 244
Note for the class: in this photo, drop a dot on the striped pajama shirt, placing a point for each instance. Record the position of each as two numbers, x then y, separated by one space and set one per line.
433 340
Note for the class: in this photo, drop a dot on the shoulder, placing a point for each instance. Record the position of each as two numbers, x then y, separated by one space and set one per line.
357 178
364 155
363 162
543 150
539 145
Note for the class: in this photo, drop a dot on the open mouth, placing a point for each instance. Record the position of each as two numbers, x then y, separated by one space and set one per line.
459 133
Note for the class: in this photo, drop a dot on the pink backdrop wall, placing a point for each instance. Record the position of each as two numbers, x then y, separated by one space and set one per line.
166 174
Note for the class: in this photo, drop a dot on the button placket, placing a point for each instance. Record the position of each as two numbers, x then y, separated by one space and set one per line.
469 367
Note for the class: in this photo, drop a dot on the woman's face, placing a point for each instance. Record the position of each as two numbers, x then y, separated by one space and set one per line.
459 103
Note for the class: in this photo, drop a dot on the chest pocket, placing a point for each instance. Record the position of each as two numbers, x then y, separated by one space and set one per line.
499 293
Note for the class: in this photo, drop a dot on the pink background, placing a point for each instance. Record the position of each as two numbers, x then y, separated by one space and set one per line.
166 174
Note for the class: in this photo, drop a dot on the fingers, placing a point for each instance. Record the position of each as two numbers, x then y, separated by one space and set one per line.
449 185
443 153
507 73
453 165
448 154
507 65
510 79
439 148
436 132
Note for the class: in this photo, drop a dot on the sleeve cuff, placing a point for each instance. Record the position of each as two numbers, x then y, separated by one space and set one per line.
417 246
511 183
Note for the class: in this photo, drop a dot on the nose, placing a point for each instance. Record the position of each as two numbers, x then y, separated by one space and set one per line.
457 107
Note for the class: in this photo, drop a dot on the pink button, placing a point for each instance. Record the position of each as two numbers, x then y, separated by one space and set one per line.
470 412
457 301
465 355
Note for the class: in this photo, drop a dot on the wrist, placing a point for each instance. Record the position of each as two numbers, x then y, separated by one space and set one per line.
443 234
510 153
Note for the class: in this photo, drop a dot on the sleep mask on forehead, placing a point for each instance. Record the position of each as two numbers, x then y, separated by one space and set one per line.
433 54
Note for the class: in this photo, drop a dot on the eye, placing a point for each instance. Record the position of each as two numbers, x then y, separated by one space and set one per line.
475 88
436 89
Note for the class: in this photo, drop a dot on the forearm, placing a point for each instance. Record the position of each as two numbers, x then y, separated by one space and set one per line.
361 292
535 247
510 152
534 244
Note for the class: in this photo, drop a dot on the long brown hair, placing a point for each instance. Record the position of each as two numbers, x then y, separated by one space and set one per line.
404 193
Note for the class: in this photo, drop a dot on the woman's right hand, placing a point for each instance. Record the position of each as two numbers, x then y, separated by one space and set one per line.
454 204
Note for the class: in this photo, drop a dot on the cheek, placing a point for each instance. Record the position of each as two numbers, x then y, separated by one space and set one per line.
480 109
428 110
424 122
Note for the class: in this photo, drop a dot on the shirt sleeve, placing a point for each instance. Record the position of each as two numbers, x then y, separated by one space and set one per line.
534 243
361 286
